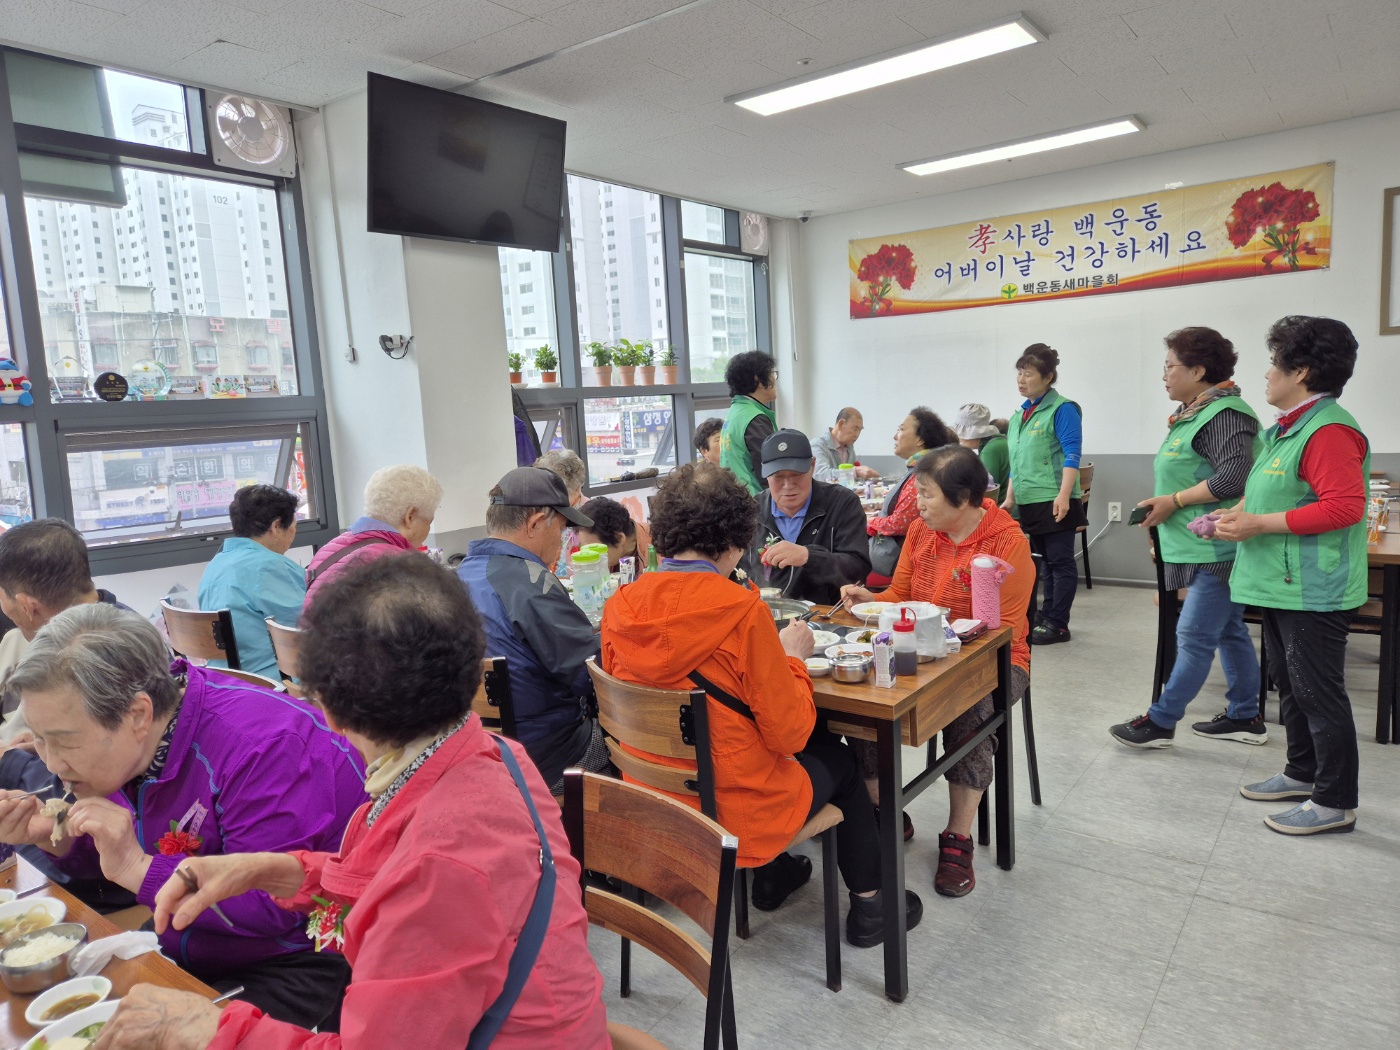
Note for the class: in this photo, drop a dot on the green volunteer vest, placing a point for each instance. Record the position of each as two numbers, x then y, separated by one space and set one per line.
1179 466
1036 456
997 459
1324 573
733 453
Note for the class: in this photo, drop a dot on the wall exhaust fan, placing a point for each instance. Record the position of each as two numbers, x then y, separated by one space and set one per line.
753 233
248 134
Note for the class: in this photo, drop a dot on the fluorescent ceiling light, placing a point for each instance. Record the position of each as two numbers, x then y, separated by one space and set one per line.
954 50
1023 147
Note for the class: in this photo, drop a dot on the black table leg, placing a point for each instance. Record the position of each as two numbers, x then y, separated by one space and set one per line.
891 779
1387 702
1002 764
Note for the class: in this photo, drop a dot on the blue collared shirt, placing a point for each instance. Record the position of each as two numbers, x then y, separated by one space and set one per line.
790 526
253 583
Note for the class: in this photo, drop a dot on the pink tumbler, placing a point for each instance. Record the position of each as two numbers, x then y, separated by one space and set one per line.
988 574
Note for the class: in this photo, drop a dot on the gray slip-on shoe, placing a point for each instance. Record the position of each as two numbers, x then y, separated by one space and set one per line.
1303 819
1277 789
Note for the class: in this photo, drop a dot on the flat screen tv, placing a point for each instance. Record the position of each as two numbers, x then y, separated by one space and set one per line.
462 169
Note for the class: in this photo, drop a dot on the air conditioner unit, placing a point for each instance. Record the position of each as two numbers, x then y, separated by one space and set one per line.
248 134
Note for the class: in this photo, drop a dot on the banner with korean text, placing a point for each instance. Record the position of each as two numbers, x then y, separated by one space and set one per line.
1249 227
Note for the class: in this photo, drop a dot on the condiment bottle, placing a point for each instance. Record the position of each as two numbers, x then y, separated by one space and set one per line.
906 650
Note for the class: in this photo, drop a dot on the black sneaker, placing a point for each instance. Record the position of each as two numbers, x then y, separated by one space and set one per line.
1044 634
775 881
865 922
1223 727
1142 732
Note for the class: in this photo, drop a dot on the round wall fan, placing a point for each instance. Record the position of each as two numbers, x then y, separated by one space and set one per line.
251 135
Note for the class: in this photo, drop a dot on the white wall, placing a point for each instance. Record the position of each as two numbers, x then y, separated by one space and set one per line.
1110 346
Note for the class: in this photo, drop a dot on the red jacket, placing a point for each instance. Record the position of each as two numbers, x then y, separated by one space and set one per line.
667 624
438 892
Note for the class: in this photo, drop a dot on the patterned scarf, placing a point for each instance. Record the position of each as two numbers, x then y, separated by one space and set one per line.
162 755
407 760
1206 397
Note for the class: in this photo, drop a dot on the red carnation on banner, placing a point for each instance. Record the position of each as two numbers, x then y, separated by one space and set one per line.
893 262
1273 212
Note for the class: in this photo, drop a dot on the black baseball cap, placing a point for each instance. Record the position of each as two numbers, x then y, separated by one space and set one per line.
537 487
786 450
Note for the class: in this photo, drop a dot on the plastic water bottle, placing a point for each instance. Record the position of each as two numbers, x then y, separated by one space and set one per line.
589 576
906 649
846 475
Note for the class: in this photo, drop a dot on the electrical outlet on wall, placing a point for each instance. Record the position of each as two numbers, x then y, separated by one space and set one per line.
1115 512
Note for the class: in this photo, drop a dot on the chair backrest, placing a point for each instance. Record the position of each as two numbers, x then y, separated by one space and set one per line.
199 634
1086 478
286 645
492 702
671 723
250 678
669 850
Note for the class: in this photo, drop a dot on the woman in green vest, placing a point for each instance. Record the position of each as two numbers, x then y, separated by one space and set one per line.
1201 467
753 382
1045 440
1301 532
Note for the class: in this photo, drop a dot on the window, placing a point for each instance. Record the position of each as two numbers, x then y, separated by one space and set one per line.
15 503
611 308
136 315
526 289
628 433
134 484
533 299
702 222
206 356
716 336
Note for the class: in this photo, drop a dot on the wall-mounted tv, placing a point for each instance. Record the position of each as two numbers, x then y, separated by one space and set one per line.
458 168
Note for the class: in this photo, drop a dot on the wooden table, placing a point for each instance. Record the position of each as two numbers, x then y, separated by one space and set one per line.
123 973
1386 557
912 713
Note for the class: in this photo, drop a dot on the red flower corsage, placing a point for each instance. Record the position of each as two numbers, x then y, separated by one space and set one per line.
963 577
326 924
179 843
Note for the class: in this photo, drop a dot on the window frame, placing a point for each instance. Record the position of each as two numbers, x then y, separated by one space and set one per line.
46 425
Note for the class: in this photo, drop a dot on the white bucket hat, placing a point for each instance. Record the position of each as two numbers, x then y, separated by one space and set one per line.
974 421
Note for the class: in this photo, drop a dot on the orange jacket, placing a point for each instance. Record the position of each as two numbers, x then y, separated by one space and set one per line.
667 624
934 569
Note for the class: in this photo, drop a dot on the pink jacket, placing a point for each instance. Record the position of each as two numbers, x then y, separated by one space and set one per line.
388 541
437 893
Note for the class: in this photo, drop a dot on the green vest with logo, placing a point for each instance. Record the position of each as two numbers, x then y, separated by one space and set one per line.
1323 573
1178 467
1036 456
733 452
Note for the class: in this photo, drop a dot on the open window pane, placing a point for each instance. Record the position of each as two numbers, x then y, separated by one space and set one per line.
527 293
15 503
628 434
182 290
719 307
133 485
618 262
702 222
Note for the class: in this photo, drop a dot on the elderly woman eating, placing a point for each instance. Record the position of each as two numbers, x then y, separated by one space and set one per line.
774 766
956 523
439 887
168 762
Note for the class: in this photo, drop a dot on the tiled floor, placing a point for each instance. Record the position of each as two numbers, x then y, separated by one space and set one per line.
1149 907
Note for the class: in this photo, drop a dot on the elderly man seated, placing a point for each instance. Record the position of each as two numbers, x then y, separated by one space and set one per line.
811 534
838 446
400 504
531 620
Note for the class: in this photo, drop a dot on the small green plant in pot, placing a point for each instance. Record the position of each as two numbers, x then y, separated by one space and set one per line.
547 361
667 366
646 362
602 356
517 363
625 360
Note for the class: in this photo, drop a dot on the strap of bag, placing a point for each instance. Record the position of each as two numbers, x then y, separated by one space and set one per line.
312 575
527 948
717 694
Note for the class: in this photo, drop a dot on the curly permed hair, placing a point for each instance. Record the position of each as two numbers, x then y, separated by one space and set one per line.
703 508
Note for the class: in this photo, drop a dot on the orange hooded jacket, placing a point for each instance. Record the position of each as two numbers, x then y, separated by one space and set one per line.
667 624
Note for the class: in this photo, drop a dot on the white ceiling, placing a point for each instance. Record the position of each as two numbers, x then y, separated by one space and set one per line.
644 104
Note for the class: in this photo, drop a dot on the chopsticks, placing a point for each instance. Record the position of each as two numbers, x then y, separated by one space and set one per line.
227 995
192 884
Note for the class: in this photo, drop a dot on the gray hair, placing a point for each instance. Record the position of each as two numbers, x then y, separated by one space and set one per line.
847 413
565 463
107 655
392 492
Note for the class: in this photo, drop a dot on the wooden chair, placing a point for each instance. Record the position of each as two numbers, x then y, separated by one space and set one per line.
492 702
199 634
669 850
675 724
250 678
1086 480
286 645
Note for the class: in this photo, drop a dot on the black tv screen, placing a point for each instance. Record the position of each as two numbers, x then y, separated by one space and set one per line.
458 168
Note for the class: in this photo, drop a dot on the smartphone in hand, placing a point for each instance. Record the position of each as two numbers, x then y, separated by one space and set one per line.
1139 515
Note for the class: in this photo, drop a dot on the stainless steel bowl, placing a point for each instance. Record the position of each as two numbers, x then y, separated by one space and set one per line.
785 610
851 667
48 973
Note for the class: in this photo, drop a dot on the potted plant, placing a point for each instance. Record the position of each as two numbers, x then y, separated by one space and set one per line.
646 362
602 356
625 359
517 362
667 368
546 361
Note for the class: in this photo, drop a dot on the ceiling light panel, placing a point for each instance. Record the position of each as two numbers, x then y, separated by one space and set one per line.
954 50
1024 147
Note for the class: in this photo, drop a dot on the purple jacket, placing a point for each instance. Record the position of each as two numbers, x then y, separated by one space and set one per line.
249 771
389 541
